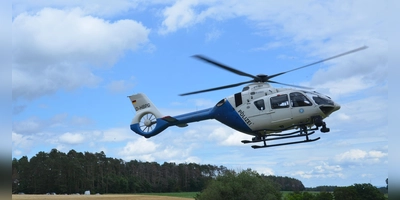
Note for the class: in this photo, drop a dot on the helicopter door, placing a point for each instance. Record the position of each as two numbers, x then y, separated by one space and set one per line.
300 105
280 111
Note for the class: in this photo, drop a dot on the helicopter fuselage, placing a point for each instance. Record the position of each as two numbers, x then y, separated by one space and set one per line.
265 110
257 110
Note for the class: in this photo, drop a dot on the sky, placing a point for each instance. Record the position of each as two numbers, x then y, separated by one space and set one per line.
75 62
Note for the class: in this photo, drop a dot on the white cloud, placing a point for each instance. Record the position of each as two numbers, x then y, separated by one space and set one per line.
72 138
343 116
141 148
321 170
265 170
343 87
367 112
179 15
193 159
227 136
21 141
358 156
235 138
56 49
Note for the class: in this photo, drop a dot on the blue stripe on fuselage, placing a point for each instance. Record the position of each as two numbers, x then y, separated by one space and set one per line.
227 115
224 113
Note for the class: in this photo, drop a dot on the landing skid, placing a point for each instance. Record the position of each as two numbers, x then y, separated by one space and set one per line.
302 133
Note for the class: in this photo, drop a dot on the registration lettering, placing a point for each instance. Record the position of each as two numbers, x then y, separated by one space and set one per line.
245 118
147 105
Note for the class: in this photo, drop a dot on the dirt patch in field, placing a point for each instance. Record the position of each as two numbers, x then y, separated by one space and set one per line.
108 197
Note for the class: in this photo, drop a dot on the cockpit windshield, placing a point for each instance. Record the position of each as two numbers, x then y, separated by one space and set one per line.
322 101
319 99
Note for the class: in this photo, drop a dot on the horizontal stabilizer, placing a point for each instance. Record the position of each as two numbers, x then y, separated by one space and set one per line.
172 120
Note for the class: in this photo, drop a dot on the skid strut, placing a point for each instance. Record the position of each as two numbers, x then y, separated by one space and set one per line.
303 132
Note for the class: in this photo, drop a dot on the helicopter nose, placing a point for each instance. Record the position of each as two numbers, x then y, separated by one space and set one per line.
336 107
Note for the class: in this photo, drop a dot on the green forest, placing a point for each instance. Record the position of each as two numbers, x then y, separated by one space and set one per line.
77 172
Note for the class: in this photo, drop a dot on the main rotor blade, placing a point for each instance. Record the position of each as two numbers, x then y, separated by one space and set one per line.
297 86
217 88
238 72
330 58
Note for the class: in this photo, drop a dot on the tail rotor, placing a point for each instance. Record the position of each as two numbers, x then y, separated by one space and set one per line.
148 122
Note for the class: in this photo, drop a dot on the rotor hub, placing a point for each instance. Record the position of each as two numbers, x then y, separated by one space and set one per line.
262 78
147 122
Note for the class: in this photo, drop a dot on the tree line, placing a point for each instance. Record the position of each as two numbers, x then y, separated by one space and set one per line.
76 172
332 188
364 191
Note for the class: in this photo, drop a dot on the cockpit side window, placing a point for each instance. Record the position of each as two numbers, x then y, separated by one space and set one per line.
299 100
260 104
280 101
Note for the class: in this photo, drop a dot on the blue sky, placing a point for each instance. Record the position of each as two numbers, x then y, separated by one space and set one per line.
75 63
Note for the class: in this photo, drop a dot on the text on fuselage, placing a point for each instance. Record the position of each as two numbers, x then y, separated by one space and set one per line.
245 118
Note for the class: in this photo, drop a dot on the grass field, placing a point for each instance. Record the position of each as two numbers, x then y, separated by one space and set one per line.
167 196
147 196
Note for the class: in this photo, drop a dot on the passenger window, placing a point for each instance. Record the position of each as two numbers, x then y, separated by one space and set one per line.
260 104
280 101
299 100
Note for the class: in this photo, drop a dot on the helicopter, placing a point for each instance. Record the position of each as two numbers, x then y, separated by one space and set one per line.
259 110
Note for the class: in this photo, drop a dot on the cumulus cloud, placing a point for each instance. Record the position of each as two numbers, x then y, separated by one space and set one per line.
141 149
21 141
265 170
72 138
369 111
321 170
227 136
179 15
56 49
358 156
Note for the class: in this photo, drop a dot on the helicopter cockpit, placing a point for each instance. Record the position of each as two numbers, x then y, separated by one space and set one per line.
319 99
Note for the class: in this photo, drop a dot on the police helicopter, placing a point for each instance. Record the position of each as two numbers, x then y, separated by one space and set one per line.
260 110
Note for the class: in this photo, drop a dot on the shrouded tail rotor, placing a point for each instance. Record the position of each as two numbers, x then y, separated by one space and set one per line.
146 119
148 122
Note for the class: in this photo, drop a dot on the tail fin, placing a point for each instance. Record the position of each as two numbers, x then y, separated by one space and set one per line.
143 105
147 119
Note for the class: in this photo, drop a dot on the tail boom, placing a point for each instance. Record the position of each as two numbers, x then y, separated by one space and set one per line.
149 121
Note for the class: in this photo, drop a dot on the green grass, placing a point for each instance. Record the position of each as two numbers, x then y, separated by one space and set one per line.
193 194
176 194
